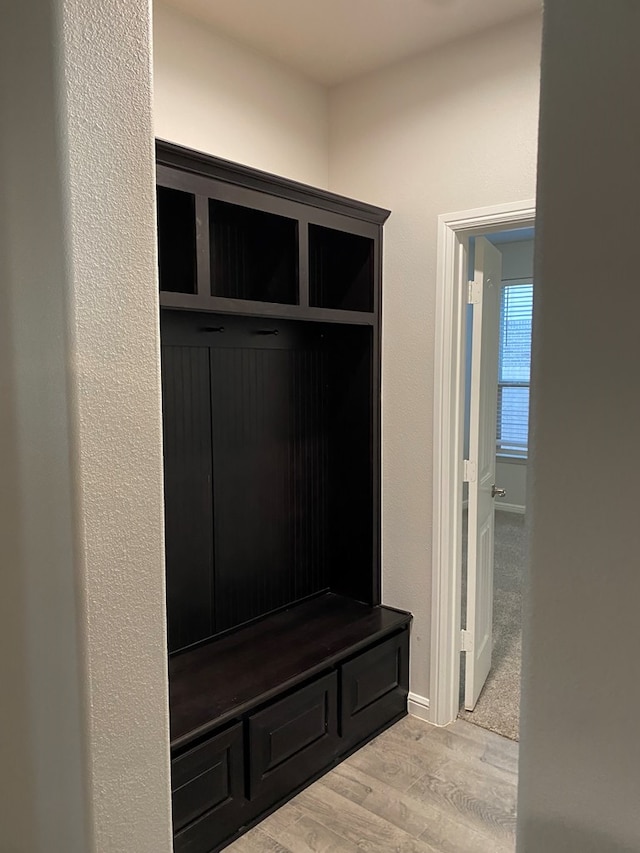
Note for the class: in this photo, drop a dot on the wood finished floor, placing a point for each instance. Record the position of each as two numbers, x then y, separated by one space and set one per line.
414 789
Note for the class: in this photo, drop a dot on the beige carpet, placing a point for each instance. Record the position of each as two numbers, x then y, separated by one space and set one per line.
498 708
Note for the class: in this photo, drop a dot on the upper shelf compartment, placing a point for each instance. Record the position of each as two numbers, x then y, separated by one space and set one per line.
254 254
341 269
233 240
176 240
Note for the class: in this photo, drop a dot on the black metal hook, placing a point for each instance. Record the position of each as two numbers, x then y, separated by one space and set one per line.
267 332
212 329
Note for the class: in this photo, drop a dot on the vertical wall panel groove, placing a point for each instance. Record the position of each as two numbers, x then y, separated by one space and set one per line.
188 508
270 486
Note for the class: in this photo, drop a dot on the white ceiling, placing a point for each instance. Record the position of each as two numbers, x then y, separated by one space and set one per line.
332 40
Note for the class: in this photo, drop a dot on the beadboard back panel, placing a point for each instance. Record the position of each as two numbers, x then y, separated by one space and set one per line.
268 448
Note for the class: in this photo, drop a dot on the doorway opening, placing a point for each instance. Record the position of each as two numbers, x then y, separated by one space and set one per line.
490 696
469 454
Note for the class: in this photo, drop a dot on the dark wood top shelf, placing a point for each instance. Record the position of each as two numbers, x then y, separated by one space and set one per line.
214 683
222 305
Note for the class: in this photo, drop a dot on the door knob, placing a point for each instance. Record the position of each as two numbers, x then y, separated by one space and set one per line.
498 493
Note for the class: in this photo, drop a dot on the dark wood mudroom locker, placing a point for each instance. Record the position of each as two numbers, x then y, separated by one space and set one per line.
282 659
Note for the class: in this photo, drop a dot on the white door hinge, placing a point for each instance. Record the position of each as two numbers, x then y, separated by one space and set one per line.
475 293
468 472
466 641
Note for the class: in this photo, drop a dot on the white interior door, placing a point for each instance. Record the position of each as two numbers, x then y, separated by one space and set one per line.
482 468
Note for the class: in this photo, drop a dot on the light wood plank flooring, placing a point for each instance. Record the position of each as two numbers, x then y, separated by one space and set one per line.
414 789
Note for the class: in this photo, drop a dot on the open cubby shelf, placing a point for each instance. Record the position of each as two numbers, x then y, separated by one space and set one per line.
341 269
282 658
176 240
254 254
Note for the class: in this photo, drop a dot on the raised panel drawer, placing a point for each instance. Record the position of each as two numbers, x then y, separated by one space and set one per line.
293 739
208 792
375 685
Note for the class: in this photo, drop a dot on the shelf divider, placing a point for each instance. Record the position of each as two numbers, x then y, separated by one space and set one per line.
203 262
303 263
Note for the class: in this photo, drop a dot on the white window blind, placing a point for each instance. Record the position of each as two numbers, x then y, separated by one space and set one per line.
514 369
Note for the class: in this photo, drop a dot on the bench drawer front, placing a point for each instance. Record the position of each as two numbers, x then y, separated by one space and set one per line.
208 791
375 686
293 739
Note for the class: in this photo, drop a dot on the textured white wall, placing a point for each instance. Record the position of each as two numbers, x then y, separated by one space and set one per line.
83 716
43 803
448 131
580 750
115 365
218 96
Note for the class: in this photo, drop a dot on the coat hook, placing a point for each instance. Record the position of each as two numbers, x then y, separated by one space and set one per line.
267 332
212 329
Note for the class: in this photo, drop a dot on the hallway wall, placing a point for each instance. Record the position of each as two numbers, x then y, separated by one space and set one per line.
423 138
580 753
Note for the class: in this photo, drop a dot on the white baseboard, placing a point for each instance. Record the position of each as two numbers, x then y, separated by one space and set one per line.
511 507
418 706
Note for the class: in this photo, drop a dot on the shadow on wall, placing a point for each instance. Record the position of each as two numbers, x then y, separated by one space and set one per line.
559 837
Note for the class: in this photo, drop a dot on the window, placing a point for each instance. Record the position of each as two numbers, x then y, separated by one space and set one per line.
514 368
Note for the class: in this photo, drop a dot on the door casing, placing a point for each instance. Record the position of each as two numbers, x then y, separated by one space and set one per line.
454 231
